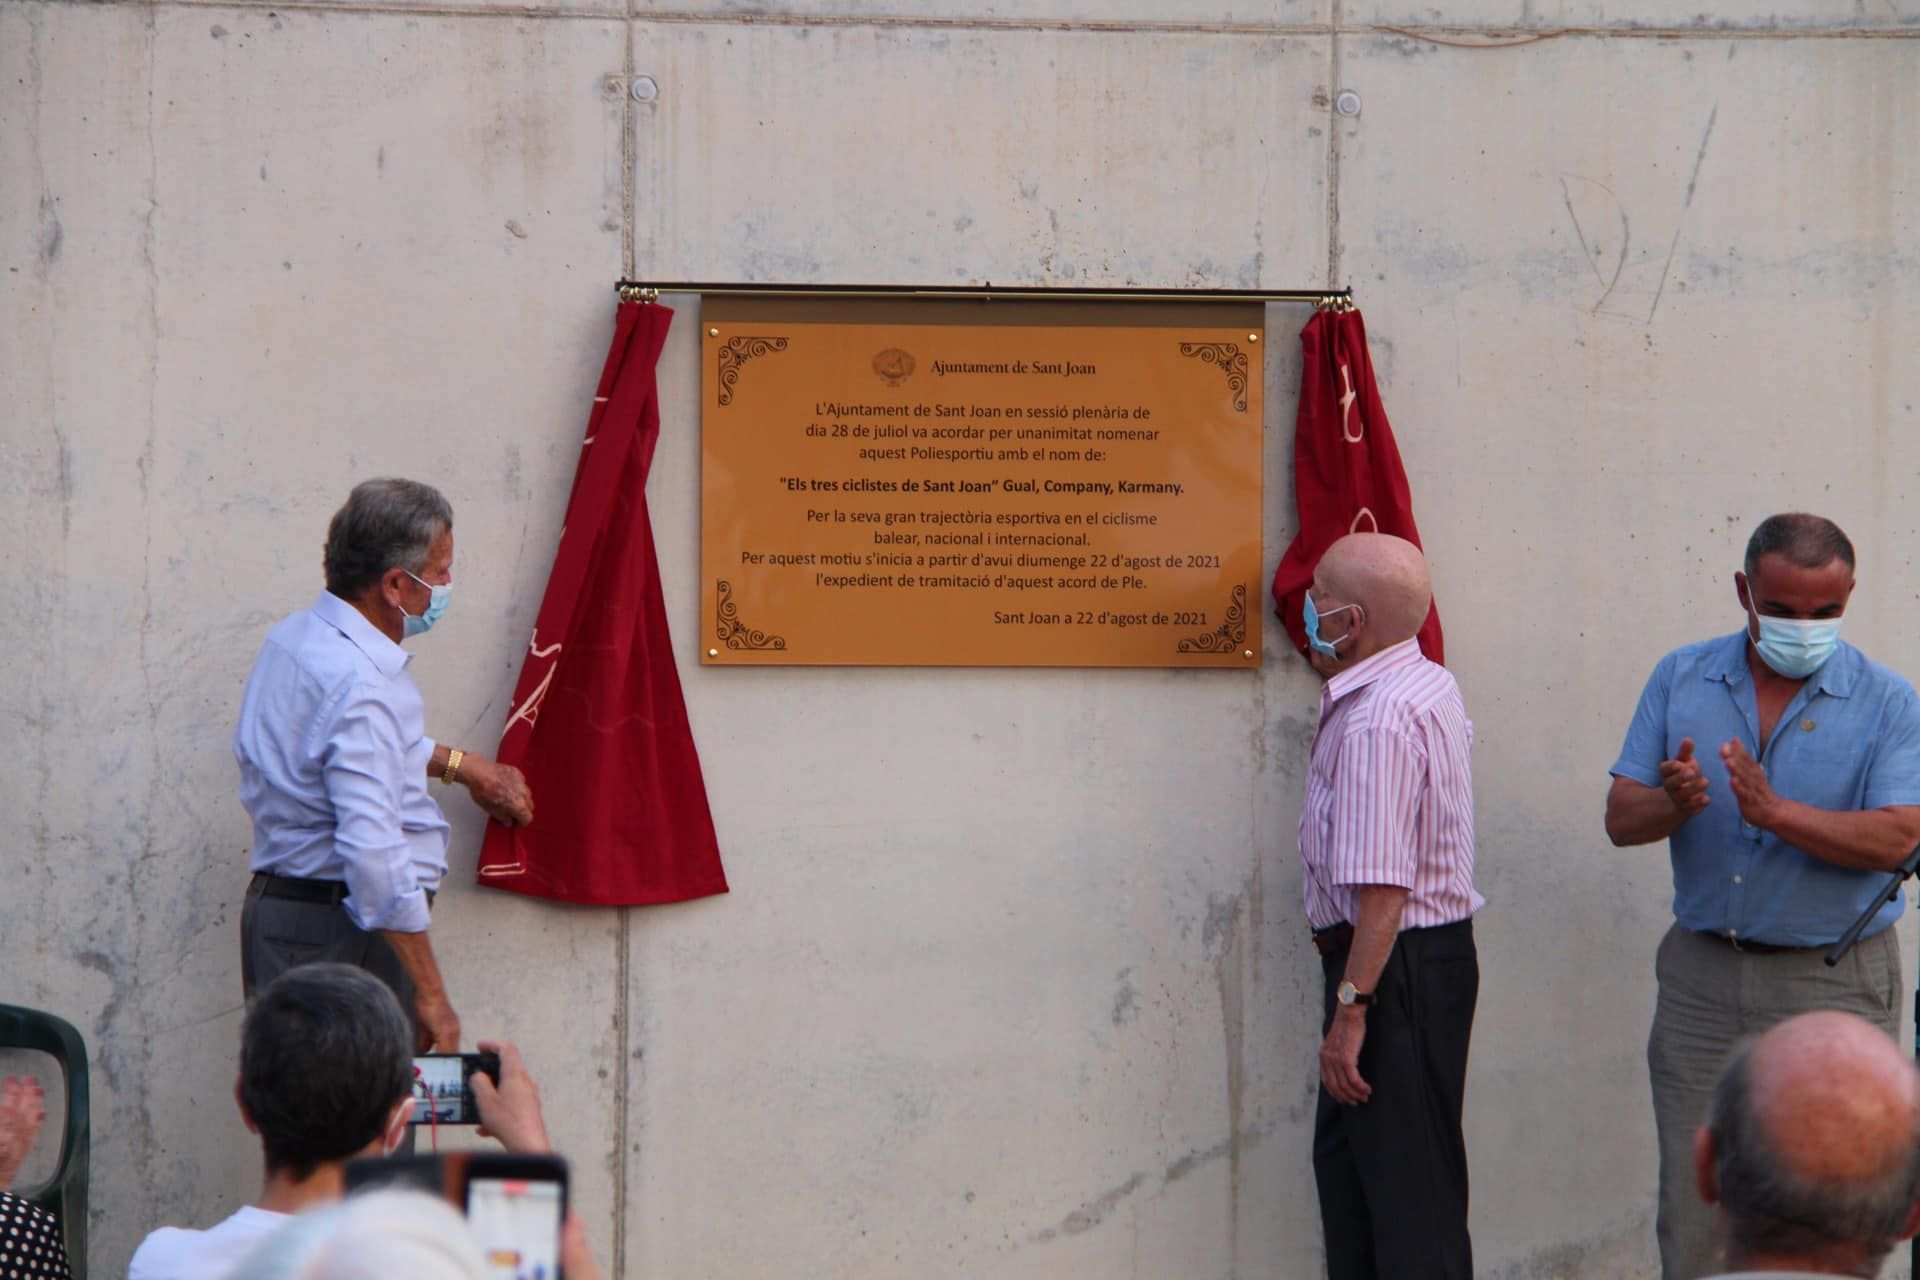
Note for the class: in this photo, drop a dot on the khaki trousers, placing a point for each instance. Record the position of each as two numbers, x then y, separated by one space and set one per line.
1712 997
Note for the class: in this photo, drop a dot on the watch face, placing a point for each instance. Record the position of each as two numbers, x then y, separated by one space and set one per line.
1346 992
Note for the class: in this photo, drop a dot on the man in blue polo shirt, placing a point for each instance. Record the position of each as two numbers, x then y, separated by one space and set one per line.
1783 769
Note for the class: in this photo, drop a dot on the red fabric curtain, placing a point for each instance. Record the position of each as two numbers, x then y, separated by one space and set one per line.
1347 476
599 725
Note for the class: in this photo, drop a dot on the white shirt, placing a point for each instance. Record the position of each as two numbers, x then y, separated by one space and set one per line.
177 1253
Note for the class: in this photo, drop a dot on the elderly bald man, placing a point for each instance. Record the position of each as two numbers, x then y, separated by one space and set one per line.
1812 1150
1386 848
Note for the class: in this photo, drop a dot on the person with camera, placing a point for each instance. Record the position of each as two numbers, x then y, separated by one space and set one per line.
326 1076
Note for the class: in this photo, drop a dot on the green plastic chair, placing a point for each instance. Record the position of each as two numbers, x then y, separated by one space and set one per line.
65 1194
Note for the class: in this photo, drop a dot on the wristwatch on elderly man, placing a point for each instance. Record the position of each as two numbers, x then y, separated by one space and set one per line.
1347 993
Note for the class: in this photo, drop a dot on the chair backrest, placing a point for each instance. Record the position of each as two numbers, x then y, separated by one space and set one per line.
65 1194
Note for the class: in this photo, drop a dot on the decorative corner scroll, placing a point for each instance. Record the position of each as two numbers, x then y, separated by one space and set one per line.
1232 361
732 632
1230 634
735 352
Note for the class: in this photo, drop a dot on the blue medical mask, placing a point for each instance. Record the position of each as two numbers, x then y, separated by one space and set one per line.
440 597
1311 617
1794 647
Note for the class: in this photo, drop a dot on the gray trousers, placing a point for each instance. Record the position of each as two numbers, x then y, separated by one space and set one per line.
278 934
1712 997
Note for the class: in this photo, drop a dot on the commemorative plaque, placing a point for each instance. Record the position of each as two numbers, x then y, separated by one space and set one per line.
980 483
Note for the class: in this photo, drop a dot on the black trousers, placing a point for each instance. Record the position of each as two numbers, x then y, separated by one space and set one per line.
1392 1172
278 934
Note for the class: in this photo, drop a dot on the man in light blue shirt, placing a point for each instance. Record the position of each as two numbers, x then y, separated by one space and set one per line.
1783 769
348 846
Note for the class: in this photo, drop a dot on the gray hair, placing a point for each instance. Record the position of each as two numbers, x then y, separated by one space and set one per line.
1772 1210
385 524
1808 541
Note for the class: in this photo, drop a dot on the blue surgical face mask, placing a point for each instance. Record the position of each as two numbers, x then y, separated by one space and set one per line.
1311 617
1793 647
440 597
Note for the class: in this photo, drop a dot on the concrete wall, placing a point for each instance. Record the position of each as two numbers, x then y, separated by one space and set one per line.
1013 980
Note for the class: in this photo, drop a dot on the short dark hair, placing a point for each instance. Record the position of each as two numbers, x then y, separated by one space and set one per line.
325 1053
1772 1210
385 524
1808 541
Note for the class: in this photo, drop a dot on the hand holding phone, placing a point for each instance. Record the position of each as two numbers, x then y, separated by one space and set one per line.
509 1103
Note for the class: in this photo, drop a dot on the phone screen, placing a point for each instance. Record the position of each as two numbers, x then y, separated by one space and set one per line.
442 1092
440 1085
517 1222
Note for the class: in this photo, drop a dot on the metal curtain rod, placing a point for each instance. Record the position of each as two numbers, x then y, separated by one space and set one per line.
644 291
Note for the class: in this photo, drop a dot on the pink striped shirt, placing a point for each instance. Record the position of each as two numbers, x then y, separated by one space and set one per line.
1390 792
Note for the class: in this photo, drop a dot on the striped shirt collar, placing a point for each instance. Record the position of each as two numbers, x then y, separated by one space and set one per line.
1393 658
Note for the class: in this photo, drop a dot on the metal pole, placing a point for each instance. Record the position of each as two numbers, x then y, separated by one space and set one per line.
647 290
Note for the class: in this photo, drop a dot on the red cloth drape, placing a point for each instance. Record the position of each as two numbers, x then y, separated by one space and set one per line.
1347 476
599 725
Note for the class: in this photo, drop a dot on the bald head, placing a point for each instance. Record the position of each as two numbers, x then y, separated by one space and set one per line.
1813 1148
1386 576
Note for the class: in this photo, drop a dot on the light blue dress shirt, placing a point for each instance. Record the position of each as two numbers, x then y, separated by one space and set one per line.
333 756
1849 741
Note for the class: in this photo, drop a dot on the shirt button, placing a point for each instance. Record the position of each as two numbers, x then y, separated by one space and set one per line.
1736 879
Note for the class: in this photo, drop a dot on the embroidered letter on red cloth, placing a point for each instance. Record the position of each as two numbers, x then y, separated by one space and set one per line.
1347 476
599 725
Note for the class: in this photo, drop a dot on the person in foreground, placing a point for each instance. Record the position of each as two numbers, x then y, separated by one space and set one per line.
1783 769
1811 1154
392 1233
30 1244
348 846
326 1075
1387 851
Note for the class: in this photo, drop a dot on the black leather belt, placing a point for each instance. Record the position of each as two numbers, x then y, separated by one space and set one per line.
1333 938
1749 946
326 892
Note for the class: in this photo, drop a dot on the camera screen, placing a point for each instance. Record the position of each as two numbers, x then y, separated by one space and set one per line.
517 1223
440 1084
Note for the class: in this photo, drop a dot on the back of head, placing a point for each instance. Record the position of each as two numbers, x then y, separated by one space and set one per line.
385 524
325 1055
1816 1144
1385 575
381 1235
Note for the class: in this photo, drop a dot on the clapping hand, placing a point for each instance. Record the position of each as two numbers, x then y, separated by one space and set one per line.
1686 785
1749 782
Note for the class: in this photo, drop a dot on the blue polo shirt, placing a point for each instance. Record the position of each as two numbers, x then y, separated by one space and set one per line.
1849 740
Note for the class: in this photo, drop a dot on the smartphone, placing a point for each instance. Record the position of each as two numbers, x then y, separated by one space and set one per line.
516 1208
515 1205
443 1088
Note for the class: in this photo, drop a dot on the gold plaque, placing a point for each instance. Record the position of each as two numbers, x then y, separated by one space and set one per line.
965 483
